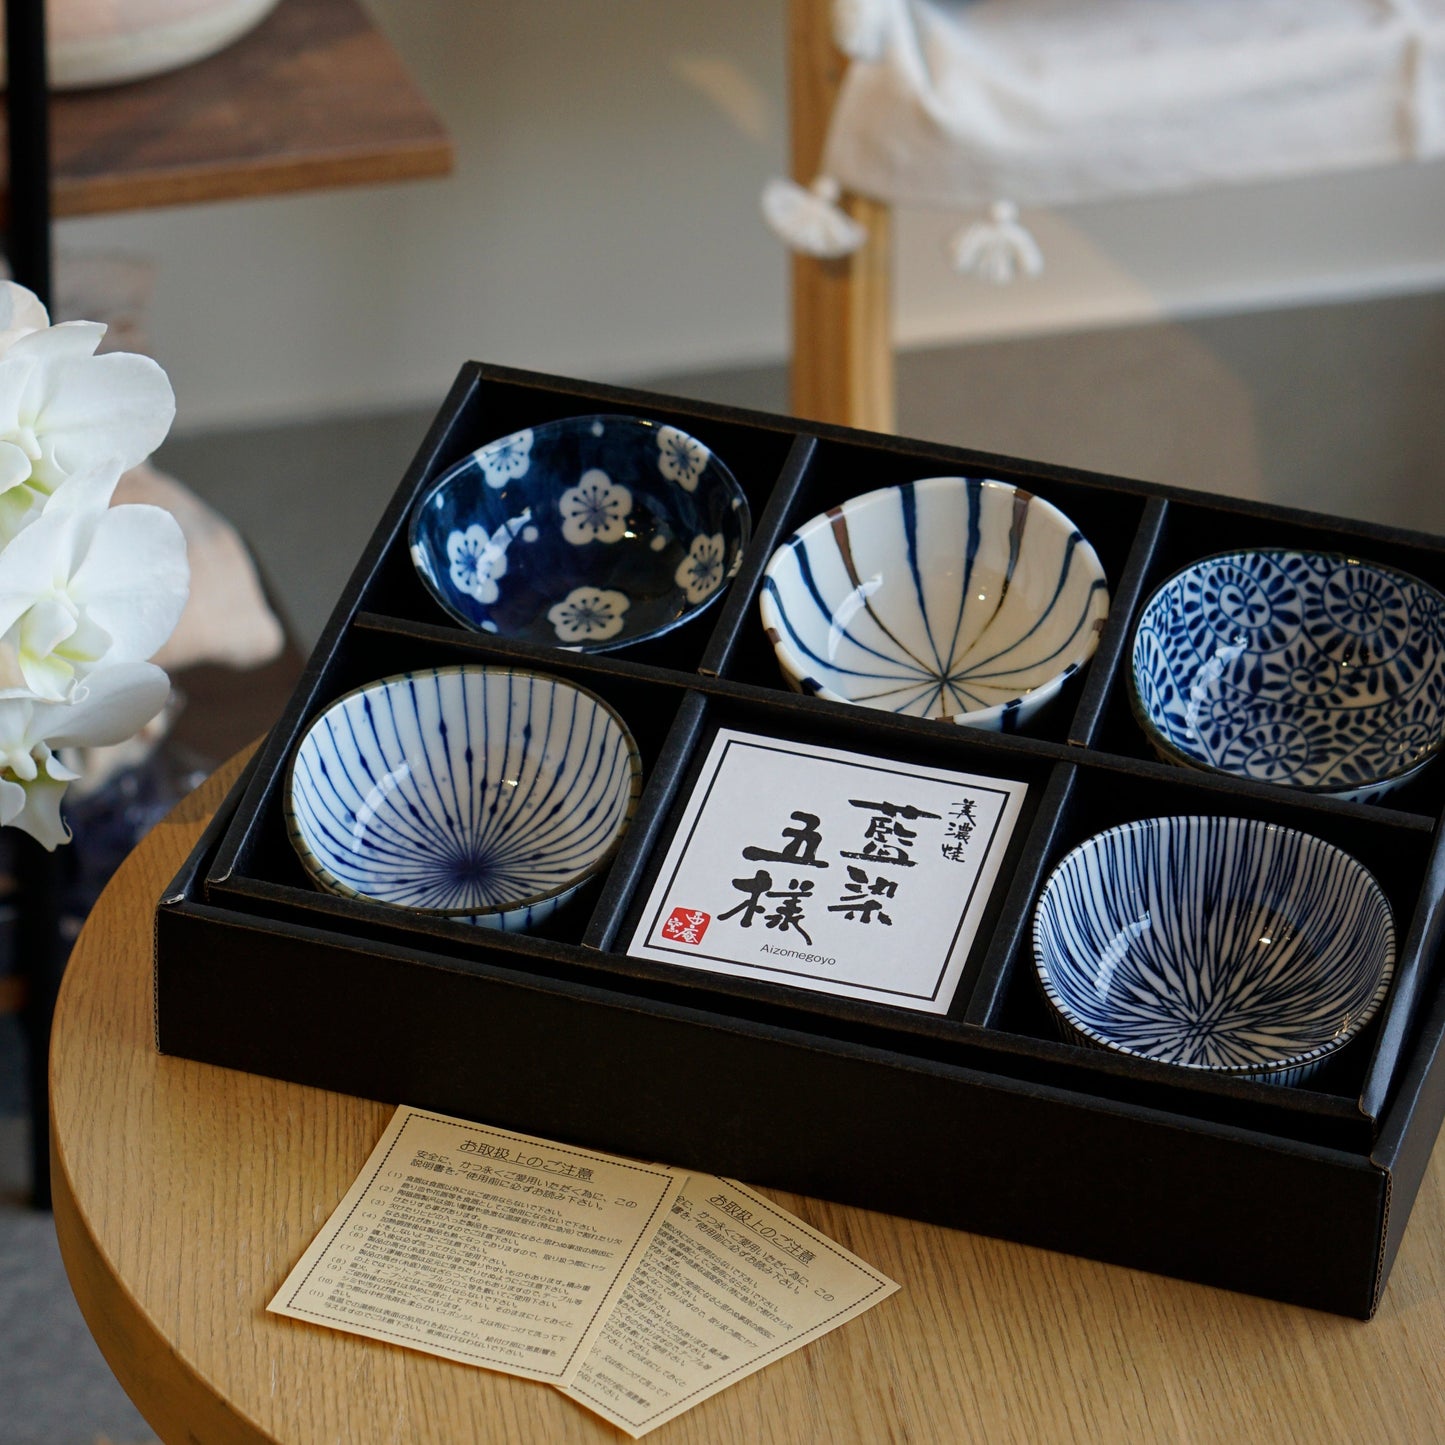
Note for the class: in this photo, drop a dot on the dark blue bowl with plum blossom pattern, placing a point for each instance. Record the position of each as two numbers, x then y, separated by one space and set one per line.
587 533
1308 669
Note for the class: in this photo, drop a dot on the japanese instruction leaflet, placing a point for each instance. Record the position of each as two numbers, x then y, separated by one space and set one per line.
729 1284
637 1290
830 870
481 1245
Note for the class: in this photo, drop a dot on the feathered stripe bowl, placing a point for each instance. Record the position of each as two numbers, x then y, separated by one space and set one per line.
487 795
951 598
1226 944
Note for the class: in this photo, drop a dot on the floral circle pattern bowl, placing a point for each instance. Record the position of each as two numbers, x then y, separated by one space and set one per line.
1226 944
589 533
949 598
1307 669
483 794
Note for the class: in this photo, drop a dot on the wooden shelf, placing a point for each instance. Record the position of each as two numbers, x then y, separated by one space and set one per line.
314 97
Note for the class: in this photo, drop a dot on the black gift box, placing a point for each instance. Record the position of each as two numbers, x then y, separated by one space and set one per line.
982 1119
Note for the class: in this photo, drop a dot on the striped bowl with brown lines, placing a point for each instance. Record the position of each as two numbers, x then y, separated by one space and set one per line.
955 598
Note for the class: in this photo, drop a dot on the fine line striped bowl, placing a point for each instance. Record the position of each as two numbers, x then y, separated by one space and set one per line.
1225 944
488 795
953 598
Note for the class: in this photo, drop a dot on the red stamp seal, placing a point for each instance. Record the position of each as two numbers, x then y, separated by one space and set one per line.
686 925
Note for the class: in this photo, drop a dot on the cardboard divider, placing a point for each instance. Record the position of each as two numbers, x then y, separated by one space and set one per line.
738 618
1113 650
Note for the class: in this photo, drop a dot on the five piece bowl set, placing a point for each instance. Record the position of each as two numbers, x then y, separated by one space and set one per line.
493 794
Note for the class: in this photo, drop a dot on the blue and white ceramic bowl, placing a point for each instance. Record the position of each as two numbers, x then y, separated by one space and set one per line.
1307 669
589 533
953 598
1226 944
484 794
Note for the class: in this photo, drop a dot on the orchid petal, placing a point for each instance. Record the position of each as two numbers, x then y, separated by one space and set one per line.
48 671
115 406
90 489
14 466
119 701
19 507
12 678
20 314
16 378
41 560
134 579
40 815
67 341
12 801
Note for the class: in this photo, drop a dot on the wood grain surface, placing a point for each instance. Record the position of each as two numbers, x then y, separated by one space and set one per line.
185 1193
842 310
313 97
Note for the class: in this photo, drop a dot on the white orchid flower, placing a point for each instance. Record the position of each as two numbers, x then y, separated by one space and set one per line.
86 585
63 409
118 702
20 314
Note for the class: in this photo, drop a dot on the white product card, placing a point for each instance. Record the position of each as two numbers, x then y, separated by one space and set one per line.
830 870
481 1245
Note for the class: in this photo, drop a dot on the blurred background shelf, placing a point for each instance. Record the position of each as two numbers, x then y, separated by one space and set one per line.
313 98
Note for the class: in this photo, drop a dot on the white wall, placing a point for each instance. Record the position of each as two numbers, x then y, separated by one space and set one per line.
602 222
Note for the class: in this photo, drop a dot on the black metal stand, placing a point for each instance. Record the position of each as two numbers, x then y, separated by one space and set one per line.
40 953
27 101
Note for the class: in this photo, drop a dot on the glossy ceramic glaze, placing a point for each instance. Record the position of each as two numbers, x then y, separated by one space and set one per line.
589 533
488 795
946 598
1226 944
1307 669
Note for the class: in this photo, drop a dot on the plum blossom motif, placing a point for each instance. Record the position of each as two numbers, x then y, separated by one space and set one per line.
588 614
700 573
681 458
479 559
595 510
506 459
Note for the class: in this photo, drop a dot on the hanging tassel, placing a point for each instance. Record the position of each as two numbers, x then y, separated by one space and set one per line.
860 28
810 219
998 249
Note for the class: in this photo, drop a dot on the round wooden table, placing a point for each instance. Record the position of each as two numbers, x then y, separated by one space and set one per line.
184 1194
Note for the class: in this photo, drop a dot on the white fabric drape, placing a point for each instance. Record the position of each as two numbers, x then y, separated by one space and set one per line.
1046 102
962 104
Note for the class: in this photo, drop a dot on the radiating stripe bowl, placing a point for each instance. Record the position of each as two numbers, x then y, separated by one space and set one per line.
953 598
488 795
1227 944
